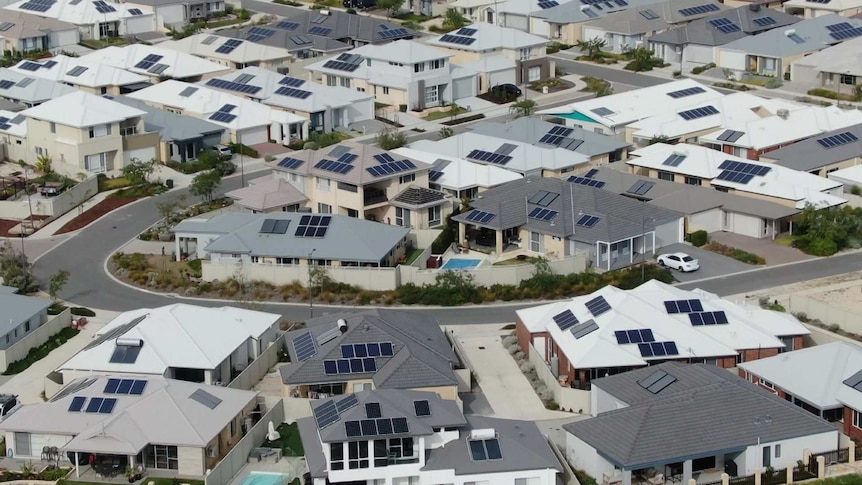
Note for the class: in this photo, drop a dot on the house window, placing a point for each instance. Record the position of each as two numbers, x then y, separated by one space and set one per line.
401 447
323 184
778 451
254 259
524 54
361 90
27 326
534 73
352 213
693 181
438 63
286 261
381 453
419 67
330 80
665 175
385 89
406 179
345 82
848 79
99 131
324 208
54 127
528 481
232 427
161 456
402 217
97 162
536 242
357 453
432 94
336 456
766 383
434 215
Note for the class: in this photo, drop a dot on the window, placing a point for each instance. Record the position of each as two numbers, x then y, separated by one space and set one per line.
128 127
385 89
536 242
345 82
768 384
286 261
534 73
419 67
434 215
98 162
438 63
361 90
401 447
432 94
524 54
40 152
53 127
368 62
27 326
99 131
381 453
528 481
406 179
336 456
324 208
857 419
693 181
402 217
161 456
254 259
232 427
848 79
323 184
778 451
665 176
352 213
600 131
347 187
330 80
357 454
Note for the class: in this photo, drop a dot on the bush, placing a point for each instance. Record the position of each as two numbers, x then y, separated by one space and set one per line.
699 238
856 190
703 68
737 254
79 311
40 352
195 265
244 149
56 308
820 247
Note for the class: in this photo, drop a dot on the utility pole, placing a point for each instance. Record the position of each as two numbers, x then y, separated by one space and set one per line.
310 289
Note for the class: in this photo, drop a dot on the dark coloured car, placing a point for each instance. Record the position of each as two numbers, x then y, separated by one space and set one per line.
506 92
359 4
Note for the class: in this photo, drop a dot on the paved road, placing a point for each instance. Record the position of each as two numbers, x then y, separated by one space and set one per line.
616 76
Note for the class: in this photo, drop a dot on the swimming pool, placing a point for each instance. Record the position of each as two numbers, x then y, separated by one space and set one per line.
462 264
260 478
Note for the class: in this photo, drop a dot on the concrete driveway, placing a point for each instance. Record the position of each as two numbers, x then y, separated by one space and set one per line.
770 250
711 264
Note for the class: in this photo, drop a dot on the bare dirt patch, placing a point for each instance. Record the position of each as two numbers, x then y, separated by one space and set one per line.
95 212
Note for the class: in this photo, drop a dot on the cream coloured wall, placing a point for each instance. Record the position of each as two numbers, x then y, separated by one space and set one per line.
70 144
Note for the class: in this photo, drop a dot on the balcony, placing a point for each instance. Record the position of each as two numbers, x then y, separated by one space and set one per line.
374 197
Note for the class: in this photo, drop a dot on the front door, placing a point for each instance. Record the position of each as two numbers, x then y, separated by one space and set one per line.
767 456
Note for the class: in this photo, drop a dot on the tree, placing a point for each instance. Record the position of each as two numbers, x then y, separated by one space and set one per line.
523 108
391 6
446 132
57 282
642 59
205 184
15 269
390 138
593 47
43 164
169 208
453 19
139 172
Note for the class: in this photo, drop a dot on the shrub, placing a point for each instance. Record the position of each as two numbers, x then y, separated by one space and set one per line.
79 311
56 308
245 150
195 265
820 247
699 238
677 74
703 68
856 190
737 254
527 367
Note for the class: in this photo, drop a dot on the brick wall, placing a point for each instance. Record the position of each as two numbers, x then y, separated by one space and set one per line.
754 354
850 430
523 335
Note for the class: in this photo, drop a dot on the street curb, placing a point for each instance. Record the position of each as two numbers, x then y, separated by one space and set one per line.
758 269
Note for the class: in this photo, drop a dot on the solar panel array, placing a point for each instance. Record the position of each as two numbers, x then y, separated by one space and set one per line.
741 172
290 163
585 328
457 39
100 405
649 14
673 160
49 64
23 83
30 66
542 214
484 450
6 84
657 381
434 175
545 4
326 413
422 408
304 347
285 25
376 427
591 173
843 31
585 181
374 349
148 61
683 306
323 31
293 92
543 198
688 12
682 93
312 226
636 336
136 11
641 187
229 46
466 31
837 140
764 21
300 39
480 216
233 86
77 404
291 81
185 93
725 26
124 355
158 69
658 349
349 366
134 387
602 111
390 166
696 113
103 7
6 26
38 5
556 135
341 65
257 34
565 320
598 306
490 157
223 115
730 136
274 226
708 318
587 220
77 71
393 33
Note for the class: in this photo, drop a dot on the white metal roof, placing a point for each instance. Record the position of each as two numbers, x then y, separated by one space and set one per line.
18 128
89 74
80 109
460 174
204 45
179 64
490 37
84 13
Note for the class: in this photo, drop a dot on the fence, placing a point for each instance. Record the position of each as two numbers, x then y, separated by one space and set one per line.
237 458
825 312
568 475
51 206
578 400
834 456
464 374
20 349
252 374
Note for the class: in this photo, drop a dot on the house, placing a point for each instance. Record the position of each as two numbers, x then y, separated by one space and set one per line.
249 122
693 45
358 180
157 63
611 114
22 317
630 28
835 68
613 331
515 14
13 134
851 177
166 426
27 90
772 53
214 49
175 14
401 350
721 424
810 9
268 194
326 107
559 218
179 341
524 54
182 138
29 32
565 20
283 35
84 132
260 242
403 72
705 208
821 155
419 437
86 76
457 177
697 165
94 20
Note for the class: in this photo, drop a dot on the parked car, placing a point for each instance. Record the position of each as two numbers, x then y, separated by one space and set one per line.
506 92
52 189
679 261
359 4
8 404
223 151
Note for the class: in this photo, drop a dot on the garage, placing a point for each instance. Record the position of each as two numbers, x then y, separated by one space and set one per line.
254 136
144 154
463 88
506 76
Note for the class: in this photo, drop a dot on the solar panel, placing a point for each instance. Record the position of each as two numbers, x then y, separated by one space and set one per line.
543 198
300 39
222 117
422 408
304 347
290 163
700 9
698 112
369 427
683 306
585 328
833 141
24 83
348 158
648 14
466 31
391 168
77 71
486 156
481 217
587 220
730 136
326 414
598 306
658 349
77 404
313 226
673 160
657 381
708 318
49 64
545 4
400 426
157 69
323 31
686 92
483 450
726 26
291 81
138 387
188 91
30 66
5 84
136 11
148 61
372 410
233 86
340 66
346 403
585 181
764 21
293 92
94 405
641 187
384 426
457 39
124 355
542 214
333 166
386 349
565 320
352 429
285 25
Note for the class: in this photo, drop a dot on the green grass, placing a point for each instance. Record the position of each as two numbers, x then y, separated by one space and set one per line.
146 480
224 23
516 261
289 442
38 353
378 105
786 240
510 326
412 255
841 480
114 183
102 43
455 110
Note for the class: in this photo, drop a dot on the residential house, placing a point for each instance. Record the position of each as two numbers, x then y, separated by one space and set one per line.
693 45
612 331
810 9
777 5
156 63
851 177
558 218
22 316
94 20
400 350
516 14
457 177
565 21
284 35
358 180
697 165
821 155
722 424
326 107
836 68
401 73
611 114
773 52
630 28
83 132
179 341
86 76
176 14
417 437
249 122
13 135
214 49
260 243
268 194
705 208
523 55
182 138
29 91
164 425
25 32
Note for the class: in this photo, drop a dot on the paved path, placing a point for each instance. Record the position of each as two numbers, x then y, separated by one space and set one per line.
772 252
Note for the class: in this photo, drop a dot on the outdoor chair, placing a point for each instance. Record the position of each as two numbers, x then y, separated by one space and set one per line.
55 453
46 453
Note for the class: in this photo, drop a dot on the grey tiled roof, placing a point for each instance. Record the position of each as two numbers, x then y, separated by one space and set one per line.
171 126
531 130
571 12
667 13
775 43
718 411
287 39
701 32
419 197
807 155
422 356
35 91
17 309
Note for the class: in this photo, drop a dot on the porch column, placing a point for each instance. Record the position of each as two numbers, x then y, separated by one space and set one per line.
304 129
499 245
462 233
653 243
77 466
686 471
773 229
631 250
177 248
627 477
608 245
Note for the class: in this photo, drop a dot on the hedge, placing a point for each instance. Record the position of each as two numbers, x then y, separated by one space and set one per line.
79 311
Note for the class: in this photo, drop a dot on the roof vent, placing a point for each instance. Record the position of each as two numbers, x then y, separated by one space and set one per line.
483 434
130 342
783 113
342 325
680 152
789 32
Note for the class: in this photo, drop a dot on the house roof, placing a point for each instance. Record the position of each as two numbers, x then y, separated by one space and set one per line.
34 91
807 155
266 193
836 6
210 45
205 102
171 126
843 58
290 39
75 71
577 12
667 13
704 32
779 182
8 290
85 13
457 173
17 309
732 412
747 327
490 37
179 64
629 106
359 28
81 109
177 335
15 124
514 7
240 233
26 25
533 130
813 32
164 413
814 374
422 356
619 217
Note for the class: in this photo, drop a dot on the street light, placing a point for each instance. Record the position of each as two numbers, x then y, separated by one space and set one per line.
310 289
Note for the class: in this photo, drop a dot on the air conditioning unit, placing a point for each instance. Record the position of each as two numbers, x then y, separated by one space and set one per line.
783 113
483 434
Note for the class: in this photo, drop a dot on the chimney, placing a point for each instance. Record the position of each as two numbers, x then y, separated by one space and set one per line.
783 114
342 325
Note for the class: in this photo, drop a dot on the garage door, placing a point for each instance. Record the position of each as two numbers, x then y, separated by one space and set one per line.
501 77
254 136
463 88
142 154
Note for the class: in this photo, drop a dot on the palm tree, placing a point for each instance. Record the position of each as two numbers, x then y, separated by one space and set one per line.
525 107
43 164
592 47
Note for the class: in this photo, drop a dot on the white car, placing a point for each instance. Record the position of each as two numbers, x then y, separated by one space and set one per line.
679 261
223 151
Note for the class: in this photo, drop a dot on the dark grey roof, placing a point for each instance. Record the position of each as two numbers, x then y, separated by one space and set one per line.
314 457
620 217
667 13
287 39
8 290
171 126
719 411
522 445
419 197
17 309
531 130
807 155
813 32
701 32
422 356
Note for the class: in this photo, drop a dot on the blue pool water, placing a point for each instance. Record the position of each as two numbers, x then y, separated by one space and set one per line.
257 478
461 264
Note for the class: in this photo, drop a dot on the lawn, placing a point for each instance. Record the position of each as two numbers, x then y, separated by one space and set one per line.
290 443
214 24
841 480
455 110
106 184
102 43
785 240
414 253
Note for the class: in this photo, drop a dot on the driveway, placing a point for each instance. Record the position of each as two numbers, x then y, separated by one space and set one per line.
771 251
711 264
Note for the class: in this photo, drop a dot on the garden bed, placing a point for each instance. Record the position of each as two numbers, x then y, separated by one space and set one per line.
731 252
95 212
38 353
553 84
7 224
